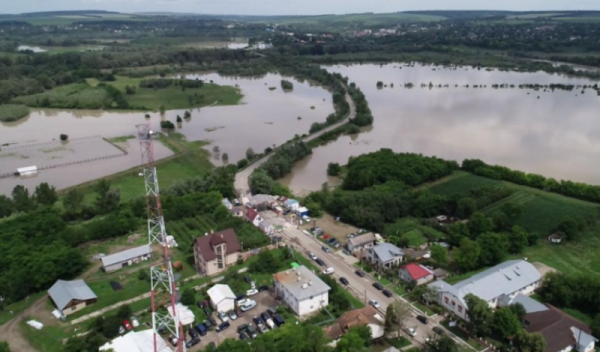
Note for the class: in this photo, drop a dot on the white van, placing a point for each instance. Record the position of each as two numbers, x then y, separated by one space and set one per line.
328 271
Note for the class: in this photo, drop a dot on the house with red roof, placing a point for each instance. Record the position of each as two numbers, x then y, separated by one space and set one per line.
415 273
253 217
214 252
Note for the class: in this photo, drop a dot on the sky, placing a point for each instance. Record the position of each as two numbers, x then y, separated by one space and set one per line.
291 7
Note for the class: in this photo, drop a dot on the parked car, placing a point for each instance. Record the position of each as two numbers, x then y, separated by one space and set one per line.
412 332
243 336
423 319
231 314
374 303
208 324
272 311
252 331
238 312
267 319
331 240
257 320
260 324
343 280
378 286
127 325
207 311
359 273
202 329
352 235
251 292
306 218
326 249
278 320
249 305
223 326
173 340
224 318
247 279
387 293
121 330
438 330
193 342
193 333
241 302
328 271
312 256
212 320
200 304
320 262
263 288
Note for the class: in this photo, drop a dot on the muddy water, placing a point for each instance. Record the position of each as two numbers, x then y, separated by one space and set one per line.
557 135
263 118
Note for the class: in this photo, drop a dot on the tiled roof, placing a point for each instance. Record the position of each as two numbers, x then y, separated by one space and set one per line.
416 271
251 214
205 244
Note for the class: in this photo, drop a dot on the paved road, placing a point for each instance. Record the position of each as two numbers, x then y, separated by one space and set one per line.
241 184
362 288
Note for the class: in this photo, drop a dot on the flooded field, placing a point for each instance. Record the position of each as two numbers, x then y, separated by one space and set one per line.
265 117
556 135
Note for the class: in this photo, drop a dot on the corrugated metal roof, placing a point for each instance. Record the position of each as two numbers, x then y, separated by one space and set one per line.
530 304
362 239
63 292
386 251
301 289
502 279
126 255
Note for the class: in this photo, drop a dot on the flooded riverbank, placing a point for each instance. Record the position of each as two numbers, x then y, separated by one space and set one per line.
556 135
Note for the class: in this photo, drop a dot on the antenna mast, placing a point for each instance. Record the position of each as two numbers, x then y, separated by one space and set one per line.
161 275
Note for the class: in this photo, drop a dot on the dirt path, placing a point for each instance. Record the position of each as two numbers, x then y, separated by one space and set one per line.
11 331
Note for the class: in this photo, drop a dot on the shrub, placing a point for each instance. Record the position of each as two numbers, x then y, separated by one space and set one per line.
167 124
64 137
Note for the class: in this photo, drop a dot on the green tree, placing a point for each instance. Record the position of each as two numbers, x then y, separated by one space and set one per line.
494 248
45 195
188 297
526 342
73 201
333 169
519 310
107 199
250 154
467 255
4 347
480 314
389 319
513 213
466 207
7 206
518 239
595 325
22 200
265 263
261 182
505 323
456 232
439 254
124 312
570 227
187 115
479 224
353 340
162 109
401 312
442 344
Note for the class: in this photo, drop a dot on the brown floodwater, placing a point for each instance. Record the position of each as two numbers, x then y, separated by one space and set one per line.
557 135
263 118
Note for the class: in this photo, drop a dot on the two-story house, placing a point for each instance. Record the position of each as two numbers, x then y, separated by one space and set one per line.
360 242
302 290
214 252
254 217
384 255
495 285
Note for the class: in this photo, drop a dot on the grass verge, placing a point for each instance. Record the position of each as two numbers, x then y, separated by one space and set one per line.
12 112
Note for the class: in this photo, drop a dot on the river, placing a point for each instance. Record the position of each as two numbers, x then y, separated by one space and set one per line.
263 118
556 135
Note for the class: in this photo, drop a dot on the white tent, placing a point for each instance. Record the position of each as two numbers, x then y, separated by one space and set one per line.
222 298
185 315
142 341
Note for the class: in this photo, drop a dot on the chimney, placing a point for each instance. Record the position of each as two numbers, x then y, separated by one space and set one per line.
309 283
212 231
299 278
222 236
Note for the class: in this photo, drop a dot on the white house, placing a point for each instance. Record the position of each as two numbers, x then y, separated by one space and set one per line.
361 242
140 341
495 285
265 227
254 217
302 290
221 298
384 255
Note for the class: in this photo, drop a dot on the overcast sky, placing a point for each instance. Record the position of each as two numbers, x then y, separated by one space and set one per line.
291 7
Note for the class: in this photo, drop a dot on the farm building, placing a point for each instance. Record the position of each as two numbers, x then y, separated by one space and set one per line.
25 171
125 258
291 204
71 296
221 297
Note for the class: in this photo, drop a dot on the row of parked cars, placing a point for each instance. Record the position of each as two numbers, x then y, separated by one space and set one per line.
264 322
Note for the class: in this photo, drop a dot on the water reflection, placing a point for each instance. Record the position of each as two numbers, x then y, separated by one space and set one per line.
556 135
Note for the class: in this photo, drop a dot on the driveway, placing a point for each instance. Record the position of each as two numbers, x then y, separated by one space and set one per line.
263 300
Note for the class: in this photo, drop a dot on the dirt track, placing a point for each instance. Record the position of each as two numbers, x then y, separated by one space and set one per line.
11 331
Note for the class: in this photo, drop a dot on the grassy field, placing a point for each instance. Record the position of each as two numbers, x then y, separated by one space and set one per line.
11 112
174 97
190 160
412 230
543 210
367 19
68 19
75 96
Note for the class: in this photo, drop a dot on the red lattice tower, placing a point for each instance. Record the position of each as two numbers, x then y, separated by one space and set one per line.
161 275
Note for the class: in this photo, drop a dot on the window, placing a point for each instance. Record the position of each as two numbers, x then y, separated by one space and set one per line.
453 303
73 308
460 309
311 297
446 300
